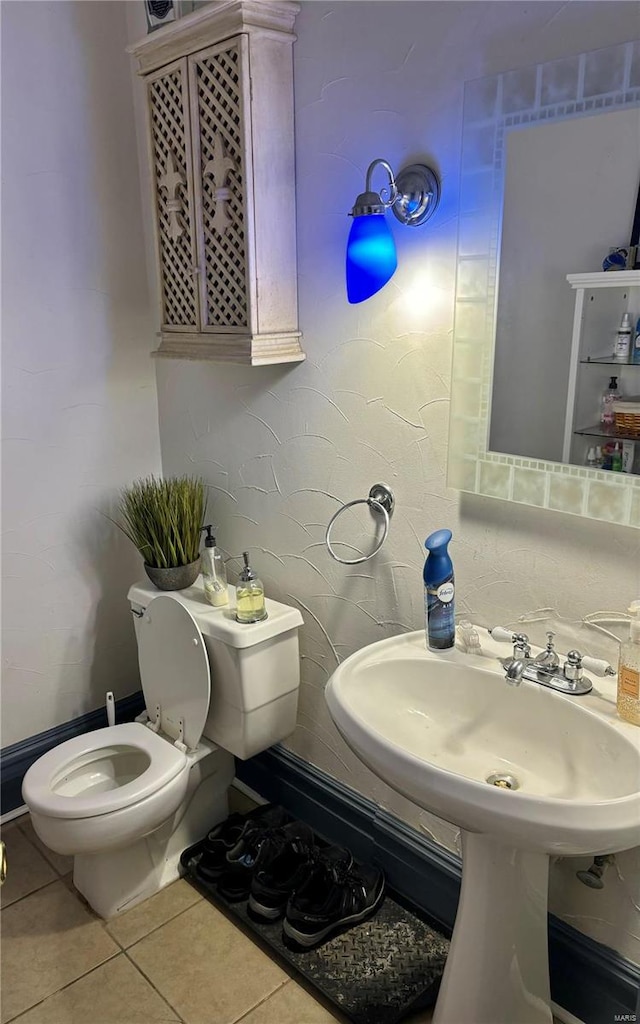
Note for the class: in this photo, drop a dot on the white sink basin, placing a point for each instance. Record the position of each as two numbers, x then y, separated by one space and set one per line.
436 728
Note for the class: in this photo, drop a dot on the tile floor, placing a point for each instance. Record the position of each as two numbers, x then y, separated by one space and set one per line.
172 958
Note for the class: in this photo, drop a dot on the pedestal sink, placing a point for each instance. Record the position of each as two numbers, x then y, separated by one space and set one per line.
523 771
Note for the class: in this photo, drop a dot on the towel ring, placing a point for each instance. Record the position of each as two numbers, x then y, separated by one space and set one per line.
382 502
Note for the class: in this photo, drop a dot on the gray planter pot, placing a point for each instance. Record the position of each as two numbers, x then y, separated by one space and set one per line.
178 577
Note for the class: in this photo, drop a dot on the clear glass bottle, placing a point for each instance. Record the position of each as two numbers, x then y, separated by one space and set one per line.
214 572
250 606
628 702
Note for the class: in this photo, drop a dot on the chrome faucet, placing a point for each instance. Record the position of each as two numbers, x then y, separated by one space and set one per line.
545 668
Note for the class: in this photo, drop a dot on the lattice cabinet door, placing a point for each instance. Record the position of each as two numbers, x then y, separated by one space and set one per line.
173 198
220 89
219 80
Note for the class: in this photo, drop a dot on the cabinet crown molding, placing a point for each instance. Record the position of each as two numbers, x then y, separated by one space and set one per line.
219 20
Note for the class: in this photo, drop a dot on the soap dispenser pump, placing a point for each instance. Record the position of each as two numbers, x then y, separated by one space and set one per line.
250 606
214 572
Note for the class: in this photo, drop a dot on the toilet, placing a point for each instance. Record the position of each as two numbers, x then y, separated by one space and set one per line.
125 801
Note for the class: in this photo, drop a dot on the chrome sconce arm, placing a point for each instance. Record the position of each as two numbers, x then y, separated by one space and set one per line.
371 253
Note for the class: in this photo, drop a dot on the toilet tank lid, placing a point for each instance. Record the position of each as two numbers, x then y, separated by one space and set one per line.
220 623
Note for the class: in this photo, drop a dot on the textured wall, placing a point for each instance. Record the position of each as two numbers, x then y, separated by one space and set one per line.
282 448
79 405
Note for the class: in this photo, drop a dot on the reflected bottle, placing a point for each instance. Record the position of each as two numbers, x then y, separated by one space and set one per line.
250 606
609 396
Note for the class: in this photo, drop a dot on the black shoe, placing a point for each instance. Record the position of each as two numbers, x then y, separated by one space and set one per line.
235 880
283 864
332 898
219 841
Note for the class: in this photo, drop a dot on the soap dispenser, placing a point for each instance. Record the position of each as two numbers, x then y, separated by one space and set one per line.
214 572
628 702
250 605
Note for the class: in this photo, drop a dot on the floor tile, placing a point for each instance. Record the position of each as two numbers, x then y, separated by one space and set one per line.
206 968
115 993
134 924
63 865
291 1004
48 940
27 870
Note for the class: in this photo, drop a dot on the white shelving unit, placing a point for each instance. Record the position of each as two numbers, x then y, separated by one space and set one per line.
601 299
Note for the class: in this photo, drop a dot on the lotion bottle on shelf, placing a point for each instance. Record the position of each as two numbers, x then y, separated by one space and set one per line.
250 605
635 348
623 340
628 702
214 572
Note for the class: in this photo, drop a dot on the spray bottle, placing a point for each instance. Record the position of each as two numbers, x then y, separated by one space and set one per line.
439 593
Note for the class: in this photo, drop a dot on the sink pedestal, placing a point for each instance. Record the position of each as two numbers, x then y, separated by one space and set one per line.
497 971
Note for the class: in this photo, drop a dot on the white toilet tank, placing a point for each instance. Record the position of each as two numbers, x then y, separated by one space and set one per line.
255 668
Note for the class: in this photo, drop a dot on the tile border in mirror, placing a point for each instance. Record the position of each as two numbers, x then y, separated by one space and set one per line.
593 82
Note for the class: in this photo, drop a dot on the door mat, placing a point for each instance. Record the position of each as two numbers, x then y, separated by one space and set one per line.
374 973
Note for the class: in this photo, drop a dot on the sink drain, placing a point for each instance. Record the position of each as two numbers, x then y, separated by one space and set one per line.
503 780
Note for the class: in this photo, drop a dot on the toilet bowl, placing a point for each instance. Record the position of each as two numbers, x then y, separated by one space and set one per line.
125 801
102 789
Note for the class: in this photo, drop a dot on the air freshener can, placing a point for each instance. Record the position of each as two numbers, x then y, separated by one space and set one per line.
439 593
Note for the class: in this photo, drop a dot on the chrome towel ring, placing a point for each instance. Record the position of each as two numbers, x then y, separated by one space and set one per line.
382 502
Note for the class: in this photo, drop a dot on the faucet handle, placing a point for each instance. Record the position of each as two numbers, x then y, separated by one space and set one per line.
573 666
502 635
520 641
521 648
598 666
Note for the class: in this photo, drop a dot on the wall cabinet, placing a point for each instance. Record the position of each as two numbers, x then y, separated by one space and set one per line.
221 148
601 299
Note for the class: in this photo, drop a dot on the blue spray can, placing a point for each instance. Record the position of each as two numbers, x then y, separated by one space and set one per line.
439 591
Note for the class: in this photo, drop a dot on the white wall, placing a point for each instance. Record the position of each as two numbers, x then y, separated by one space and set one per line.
79 405
282 447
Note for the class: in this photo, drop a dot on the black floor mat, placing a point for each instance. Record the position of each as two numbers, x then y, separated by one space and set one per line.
374 973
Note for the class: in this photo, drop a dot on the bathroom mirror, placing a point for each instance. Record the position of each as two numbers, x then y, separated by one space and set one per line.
537 142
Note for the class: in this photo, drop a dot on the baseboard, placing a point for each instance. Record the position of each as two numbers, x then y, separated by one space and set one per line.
590 981
17 758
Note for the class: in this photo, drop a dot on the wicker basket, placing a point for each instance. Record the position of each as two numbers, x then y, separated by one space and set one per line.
627 418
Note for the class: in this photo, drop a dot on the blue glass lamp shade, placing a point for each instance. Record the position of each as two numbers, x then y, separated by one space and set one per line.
371 256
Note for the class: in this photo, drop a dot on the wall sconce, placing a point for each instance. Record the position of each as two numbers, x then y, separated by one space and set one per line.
371 252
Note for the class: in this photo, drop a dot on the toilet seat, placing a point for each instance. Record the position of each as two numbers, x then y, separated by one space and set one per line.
67 781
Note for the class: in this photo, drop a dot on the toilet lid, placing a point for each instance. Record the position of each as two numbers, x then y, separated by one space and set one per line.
174 668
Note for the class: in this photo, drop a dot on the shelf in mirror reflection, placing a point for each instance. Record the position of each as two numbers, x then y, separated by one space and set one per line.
597 430
608 361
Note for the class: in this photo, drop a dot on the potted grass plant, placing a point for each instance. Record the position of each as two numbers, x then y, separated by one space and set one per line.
164 518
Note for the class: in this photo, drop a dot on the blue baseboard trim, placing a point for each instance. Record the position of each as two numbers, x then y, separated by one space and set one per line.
17 758
591 981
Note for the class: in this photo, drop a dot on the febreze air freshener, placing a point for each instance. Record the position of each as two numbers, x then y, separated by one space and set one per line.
439 591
